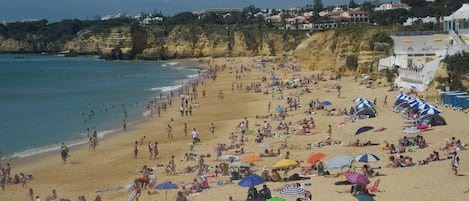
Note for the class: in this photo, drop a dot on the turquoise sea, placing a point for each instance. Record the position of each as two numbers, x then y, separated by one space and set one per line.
47 99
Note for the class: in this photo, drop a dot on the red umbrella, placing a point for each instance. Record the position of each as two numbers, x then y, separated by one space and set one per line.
356 178
316 157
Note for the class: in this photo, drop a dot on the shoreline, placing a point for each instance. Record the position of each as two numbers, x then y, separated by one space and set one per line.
48 149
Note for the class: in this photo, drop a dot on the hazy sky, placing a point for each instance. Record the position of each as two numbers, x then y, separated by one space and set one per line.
56 10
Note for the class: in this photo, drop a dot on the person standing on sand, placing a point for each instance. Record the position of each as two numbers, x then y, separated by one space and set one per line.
136 149
124 125
268 107
212 128
64 153
169 131
155 150
30 194
385 102
172 166
185 129
455 163
151 146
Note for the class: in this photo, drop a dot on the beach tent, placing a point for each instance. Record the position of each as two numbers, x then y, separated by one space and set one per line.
370 111
434 119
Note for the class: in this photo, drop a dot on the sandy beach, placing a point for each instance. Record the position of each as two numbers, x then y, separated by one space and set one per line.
112 167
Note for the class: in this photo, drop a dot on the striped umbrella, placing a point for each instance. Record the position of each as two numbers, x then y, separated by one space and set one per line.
426 106
403 97
367 158
362 100
430 111
292 191
363 105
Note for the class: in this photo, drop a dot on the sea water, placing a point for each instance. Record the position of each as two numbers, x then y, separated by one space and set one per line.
46 100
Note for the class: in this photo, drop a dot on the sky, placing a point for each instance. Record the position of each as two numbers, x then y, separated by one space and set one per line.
57 10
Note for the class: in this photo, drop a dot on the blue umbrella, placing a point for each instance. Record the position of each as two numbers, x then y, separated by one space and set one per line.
166 186
326 103
251 180
339 162
430 111
363 129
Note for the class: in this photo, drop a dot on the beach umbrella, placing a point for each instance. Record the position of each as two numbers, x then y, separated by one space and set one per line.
326 103
339 162
363 129
265 146
426 106
284 163
251 180
239 164
362 100
276 199
316 157
356 178
228 158
166 186
364 197
363 105
251 159
403 97
430 111
292 191
367 158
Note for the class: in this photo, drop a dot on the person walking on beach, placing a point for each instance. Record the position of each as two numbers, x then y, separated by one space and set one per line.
169 131
155 149
136 149
64 153
195 136
268 107
385 102
124 125
455 163
185 129
172 166
212 128
151 146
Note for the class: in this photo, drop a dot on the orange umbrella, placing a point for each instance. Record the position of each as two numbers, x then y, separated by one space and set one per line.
316 157
251 158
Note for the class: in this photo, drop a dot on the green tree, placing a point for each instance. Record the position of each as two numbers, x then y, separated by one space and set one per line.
458 69
351 62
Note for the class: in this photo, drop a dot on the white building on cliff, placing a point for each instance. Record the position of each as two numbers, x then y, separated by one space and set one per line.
417 55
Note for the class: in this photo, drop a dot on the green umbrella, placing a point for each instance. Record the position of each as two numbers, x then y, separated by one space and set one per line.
276 199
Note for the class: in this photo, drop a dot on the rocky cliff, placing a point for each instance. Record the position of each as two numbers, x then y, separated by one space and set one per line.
322 50
328 50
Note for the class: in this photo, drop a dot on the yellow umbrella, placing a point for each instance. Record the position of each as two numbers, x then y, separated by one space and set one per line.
407 41
438 40
284 163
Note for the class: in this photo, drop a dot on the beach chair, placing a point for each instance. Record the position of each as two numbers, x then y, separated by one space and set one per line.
411 130
375 186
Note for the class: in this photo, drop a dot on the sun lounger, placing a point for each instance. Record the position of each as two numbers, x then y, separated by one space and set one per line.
411 130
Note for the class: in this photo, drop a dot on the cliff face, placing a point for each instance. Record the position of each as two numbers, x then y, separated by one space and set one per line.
323 50
328 50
